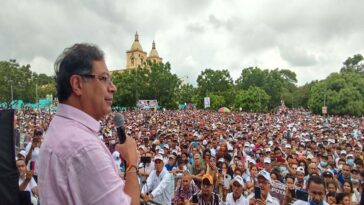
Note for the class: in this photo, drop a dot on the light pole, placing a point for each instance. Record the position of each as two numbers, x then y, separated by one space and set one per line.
11 90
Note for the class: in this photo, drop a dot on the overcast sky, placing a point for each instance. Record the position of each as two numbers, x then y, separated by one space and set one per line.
309 37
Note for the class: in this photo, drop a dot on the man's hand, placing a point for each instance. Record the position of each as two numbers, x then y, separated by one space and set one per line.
128 151
146 197
28 175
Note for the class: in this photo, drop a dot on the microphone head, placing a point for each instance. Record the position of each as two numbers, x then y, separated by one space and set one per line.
118 120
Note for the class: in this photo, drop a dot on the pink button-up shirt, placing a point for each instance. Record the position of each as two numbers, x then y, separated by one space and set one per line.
75 167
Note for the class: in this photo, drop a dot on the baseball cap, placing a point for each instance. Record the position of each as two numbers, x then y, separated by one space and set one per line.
300 169
158 156
265 174
238 179
23 153
246 144
267 160
268 149
350 155
328 173
288 146
343 152
172 156
208 177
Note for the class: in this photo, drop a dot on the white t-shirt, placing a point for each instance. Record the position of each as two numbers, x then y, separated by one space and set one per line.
230 200
30 185
34 157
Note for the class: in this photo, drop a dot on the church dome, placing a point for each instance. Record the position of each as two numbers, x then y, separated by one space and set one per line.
153 52
136 45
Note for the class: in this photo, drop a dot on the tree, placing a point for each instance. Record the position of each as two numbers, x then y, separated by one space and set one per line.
214 81
280 84
152 82
185 93
18 77
353 64
342 93
216 101
254 99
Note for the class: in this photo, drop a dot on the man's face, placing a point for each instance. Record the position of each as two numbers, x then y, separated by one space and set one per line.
346 170
264 185
158 165
97 93
186 181
300 176
237 189
316 192
21 167
206 187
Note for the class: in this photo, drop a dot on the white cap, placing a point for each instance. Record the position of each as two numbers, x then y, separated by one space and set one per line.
23 153
158 156
265 174
246 144
268 149
166 146
350 155
270 143
116 157
204 142
288 146
343 152
300 169
161 151
267 160
238 179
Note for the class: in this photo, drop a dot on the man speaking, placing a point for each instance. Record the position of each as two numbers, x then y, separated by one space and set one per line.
75 166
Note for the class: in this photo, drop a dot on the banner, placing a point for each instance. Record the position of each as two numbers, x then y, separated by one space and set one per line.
147 104
278 191
206 102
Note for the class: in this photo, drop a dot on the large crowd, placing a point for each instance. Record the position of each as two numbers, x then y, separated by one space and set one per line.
204 157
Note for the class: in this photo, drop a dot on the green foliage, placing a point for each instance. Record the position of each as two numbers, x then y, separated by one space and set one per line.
254 99
353 64
216 101
344 93
21 79
155 82
214 81
185 93
280 84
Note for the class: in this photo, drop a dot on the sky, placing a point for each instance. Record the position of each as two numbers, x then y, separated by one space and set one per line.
310 37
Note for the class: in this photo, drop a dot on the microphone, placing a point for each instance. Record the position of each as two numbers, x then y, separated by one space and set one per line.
119 124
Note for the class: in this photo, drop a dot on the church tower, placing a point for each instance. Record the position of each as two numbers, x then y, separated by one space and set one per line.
135 56
153 55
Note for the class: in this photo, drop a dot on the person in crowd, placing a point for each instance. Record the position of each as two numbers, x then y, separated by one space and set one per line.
331 198
73 161
32 151
185 189
316 192
197 169
206 195
289 197
236 197
343 199
26 181
264 183
158 186
348 189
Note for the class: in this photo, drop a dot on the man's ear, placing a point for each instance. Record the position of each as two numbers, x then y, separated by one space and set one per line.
76 84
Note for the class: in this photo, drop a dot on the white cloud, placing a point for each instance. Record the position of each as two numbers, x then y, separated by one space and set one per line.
310 37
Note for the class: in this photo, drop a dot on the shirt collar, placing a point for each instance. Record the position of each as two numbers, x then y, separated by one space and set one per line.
78 115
